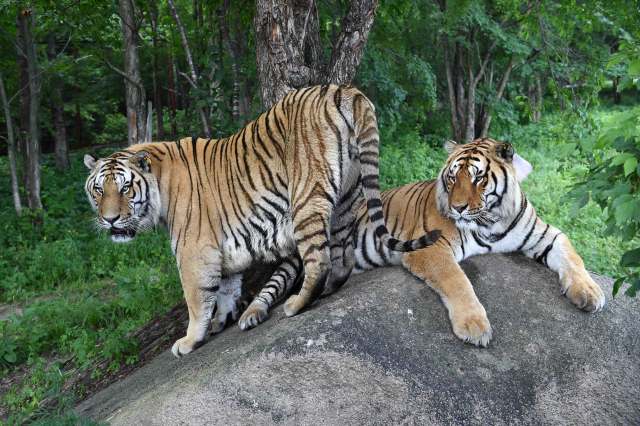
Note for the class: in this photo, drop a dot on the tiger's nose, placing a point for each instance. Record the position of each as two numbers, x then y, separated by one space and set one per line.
112 219
461 208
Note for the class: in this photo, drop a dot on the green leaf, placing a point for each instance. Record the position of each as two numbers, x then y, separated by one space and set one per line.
10 357
629 166
616 286
632 290
621 159
625 211
634 67
631 258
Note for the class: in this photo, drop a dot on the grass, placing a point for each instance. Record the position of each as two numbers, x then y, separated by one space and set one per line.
83 295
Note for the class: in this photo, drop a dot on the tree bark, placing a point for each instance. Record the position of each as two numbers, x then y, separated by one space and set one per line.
451 90
25 20
233 53
236 45
486 122
281 36
157 95
171 95
11 150
134 90
537 113
288 49
57 111
349 47
193 78
23 115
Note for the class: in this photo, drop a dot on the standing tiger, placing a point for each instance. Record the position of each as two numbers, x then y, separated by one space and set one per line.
286 184
478 204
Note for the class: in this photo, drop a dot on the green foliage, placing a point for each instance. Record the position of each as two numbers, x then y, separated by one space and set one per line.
81 294
614 183
614 177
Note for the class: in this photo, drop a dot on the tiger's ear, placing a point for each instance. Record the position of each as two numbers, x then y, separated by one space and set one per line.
450 146
90 161
506 151
522 167
141 160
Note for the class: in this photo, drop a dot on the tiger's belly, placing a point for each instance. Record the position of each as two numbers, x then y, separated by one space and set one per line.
262 243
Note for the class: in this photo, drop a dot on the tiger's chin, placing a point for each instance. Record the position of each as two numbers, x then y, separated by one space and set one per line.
122 235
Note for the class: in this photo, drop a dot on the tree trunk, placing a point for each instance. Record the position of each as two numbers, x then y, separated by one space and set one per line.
486 121
288 49
537 112
134 91
235 46
57 111
455 123
77 124
349 47
23 115
193 80
157 95
11 150
173 103
33 145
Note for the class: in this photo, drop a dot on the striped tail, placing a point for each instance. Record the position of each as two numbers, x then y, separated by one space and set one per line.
367 140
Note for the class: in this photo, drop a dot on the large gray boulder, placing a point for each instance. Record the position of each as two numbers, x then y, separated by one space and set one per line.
381 351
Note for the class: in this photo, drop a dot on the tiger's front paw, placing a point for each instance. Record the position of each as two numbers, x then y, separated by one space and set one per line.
472 325
583 292
255 314
184 346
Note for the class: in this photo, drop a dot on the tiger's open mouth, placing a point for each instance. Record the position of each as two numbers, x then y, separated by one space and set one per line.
122 235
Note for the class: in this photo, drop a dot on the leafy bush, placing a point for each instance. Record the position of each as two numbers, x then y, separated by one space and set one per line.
614 183
614 178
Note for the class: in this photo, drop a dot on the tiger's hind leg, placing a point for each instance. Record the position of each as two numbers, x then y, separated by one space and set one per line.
311 232
342 252
283 279
227 304
342 264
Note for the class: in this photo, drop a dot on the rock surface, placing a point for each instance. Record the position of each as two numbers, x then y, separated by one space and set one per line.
381 351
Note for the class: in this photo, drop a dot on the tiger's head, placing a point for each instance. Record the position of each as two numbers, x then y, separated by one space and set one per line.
479 184
124 193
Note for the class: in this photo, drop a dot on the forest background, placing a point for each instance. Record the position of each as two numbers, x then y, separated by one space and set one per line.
558 79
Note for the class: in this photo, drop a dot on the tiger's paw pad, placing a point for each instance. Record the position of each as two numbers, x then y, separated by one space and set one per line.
586 294
254 315
473 328
183 347
293 305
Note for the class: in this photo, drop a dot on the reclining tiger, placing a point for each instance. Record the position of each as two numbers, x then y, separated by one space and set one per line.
286 184
478 204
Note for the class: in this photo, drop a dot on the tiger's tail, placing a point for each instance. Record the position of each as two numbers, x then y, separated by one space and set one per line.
367 139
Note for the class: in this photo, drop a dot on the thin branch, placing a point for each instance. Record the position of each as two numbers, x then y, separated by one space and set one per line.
191 82
122 74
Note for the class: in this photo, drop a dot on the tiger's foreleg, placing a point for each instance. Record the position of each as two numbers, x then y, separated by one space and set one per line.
276 289
552 248
200 275
438 267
